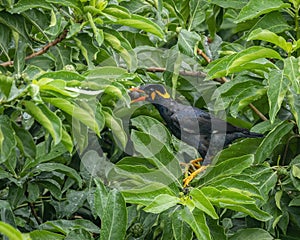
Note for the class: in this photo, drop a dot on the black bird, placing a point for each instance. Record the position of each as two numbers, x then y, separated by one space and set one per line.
192 125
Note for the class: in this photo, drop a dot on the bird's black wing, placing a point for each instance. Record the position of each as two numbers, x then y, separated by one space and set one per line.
196 121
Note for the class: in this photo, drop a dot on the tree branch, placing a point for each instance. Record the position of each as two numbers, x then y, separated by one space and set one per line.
42 50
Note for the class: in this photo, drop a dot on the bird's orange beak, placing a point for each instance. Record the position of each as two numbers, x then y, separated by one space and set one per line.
137 95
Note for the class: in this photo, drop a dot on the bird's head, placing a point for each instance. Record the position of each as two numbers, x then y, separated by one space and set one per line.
149 92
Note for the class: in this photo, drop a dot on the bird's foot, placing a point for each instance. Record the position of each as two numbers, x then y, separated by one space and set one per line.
189 178
193 165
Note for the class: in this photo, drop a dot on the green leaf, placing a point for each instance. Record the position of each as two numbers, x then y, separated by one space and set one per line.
268 36
241 61
273 21
76 112
67 141
24 5
292 72
7 139
255 8
241 185
87 48
20 54
62 75
114 219
50 167
117 11
197 14
181 229
294 103
68 3
137 21
11 232
6 86
4 41
109 73
161 203
45 235
235 4
100 198
235 200
271 141
152 127
65 226
145 193
121 45
188 42
25 141
230 166
116 126
251 233
202 203
197 222
75 200
46 118
15 23
266 177
165 160
98 33
278 86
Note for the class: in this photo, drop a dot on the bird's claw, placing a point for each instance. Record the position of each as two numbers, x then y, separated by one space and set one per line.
189 178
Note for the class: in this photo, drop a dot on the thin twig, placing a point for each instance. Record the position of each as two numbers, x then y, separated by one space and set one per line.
41 51
31 205
257 112
202 54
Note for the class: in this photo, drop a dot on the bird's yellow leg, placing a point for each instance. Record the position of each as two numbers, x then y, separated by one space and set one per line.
195 162
189 178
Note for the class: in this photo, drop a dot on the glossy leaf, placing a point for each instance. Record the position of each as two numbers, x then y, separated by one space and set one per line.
7 139
197 222
116 127
162 203
188 42
294 101
181 230
11 232
268 36
291 71
114 214
45 235
197 13
235 200
252 233
240 61
65 226
255 8
49 167
278 86
230 166
142 23
25 141
145 194
46 118
271 141
150 147
202 203
100 198
152 127
75 111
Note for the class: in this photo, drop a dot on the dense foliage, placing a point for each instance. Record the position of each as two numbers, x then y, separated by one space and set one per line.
78 161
